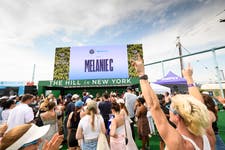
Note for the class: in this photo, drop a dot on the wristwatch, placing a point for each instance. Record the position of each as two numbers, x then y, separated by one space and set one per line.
191 85
143 77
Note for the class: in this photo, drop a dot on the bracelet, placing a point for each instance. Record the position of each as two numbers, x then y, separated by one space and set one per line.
143 77
191 85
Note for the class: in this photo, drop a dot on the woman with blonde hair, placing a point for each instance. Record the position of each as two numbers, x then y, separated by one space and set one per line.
44 105
187 112
90 127
28 137
50 118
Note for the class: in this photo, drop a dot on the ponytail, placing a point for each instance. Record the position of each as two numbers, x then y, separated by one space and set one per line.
92 120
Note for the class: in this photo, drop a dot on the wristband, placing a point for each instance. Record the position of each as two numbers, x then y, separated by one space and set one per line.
191 85
143 77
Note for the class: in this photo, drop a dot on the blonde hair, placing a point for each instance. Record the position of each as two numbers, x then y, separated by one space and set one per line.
44 105
193 112
13 135
92 110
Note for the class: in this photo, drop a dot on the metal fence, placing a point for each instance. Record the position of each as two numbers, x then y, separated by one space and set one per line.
209 67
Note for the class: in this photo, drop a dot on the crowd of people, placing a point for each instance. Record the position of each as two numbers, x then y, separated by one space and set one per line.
183 121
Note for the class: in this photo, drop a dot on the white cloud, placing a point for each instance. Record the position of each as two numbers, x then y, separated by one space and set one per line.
22 22
199 30
18 64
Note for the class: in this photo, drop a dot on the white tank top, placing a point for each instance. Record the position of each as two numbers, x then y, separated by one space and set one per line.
206 145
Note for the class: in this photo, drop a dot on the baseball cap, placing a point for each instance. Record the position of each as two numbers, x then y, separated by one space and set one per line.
79 103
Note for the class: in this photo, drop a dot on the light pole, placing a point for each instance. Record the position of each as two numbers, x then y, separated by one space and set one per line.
180 54
33 73
222 75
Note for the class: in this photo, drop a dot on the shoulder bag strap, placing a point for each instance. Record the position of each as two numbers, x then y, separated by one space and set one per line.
125 126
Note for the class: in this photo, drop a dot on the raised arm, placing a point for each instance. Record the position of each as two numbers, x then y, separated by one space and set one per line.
3 128
192 89
165 130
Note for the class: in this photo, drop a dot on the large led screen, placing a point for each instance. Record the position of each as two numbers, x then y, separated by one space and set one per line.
95 62
98 62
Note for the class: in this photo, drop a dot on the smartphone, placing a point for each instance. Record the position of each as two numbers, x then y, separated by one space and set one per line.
134 55
60 132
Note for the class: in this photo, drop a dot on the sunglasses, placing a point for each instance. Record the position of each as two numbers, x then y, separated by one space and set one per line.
172 110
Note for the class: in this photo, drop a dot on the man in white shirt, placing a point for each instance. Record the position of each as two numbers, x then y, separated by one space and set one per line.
22 113
130 100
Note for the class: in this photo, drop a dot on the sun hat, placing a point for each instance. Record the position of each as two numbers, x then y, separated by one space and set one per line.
33 133
91 96
205 92
12 97
113 94
75 96
120 101
79 103
4 97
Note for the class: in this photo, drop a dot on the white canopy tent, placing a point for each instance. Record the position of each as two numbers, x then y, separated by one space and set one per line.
159 89
212 86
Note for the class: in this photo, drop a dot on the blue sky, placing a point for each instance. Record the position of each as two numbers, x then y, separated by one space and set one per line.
31 30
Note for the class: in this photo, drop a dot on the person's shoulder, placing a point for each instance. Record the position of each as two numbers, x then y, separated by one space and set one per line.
134 95
125 94
119 120
98 116
47 116
122 112
101 103
108 102
86 117
71 113
83 119
71 103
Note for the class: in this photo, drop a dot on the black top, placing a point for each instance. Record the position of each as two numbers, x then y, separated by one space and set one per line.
74 124
215 127
105 108
69 108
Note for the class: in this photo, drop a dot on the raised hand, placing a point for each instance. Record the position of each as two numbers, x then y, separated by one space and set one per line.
3 128
139 65
54 143
188 72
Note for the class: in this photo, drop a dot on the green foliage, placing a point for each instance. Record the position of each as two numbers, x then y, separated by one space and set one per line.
132 50
217 92
62 64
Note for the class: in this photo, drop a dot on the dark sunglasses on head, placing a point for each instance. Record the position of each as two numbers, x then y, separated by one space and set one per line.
31 143
172 110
